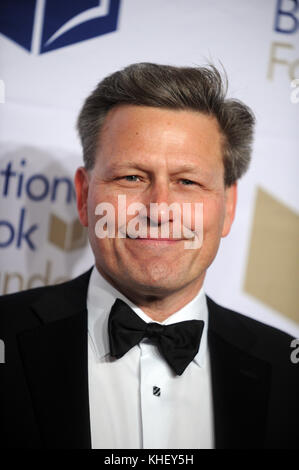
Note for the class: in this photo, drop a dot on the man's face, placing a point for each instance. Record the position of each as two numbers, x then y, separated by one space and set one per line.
153 155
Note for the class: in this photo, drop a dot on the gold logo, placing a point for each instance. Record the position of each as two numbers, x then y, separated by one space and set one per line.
66 236
273 270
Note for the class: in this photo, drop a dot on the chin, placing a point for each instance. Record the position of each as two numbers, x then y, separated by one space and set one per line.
156 282
155 272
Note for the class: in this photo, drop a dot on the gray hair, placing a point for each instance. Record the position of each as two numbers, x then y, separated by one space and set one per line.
199 89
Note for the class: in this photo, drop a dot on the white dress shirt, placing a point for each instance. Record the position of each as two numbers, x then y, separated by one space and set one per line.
125 413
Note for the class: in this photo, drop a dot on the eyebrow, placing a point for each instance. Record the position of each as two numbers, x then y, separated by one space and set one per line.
188 168
133 164
125 165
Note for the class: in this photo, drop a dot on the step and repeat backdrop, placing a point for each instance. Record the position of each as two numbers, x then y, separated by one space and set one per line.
52 55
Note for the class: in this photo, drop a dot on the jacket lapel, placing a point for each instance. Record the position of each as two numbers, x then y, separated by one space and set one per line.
58 376
240 382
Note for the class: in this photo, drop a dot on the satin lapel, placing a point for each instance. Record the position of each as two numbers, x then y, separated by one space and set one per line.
55 360
240 383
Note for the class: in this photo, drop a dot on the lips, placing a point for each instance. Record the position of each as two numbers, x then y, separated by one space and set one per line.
156 239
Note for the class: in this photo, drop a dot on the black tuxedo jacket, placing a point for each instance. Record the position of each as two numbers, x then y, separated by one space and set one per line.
44 381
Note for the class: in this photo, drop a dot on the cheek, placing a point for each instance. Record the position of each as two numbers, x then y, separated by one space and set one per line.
98 196
112 213
213 216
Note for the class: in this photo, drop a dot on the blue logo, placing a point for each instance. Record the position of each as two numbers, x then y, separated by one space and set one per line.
286 21
45 25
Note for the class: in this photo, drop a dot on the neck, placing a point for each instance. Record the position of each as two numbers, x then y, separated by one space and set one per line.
159 307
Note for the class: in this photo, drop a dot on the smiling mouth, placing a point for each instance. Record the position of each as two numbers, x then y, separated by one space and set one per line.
156 239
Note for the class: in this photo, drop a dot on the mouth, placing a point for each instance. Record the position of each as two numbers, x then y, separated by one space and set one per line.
156 241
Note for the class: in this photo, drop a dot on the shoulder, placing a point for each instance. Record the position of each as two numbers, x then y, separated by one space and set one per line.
17 309
264 341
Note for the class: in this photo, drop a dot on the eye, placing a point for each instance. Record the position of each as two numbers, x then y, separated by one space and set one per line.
186 182
132 178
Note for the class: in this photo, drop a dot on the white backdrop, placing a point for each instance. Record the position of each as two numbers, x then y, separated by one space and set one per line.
257 42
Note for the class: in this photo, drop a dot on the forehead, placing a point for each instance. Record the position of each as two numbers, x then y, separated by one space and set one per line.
147 134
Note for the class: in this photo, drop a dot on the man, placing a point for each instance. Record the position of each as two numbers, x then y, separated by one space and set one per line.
133 354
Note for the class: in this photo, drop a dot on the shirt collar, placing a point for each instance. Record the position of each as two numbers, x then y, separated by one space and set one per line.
101 296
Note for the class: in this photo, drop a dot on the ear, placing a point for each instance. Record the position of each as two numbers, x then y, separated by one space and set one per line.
230 208
81 186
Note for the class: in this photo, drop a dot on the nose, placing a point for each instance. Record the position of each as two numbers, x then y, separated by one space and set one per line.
158 201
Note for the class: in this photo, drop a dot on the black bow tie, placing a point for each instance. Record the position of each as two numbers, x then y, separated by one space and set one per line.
178 343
